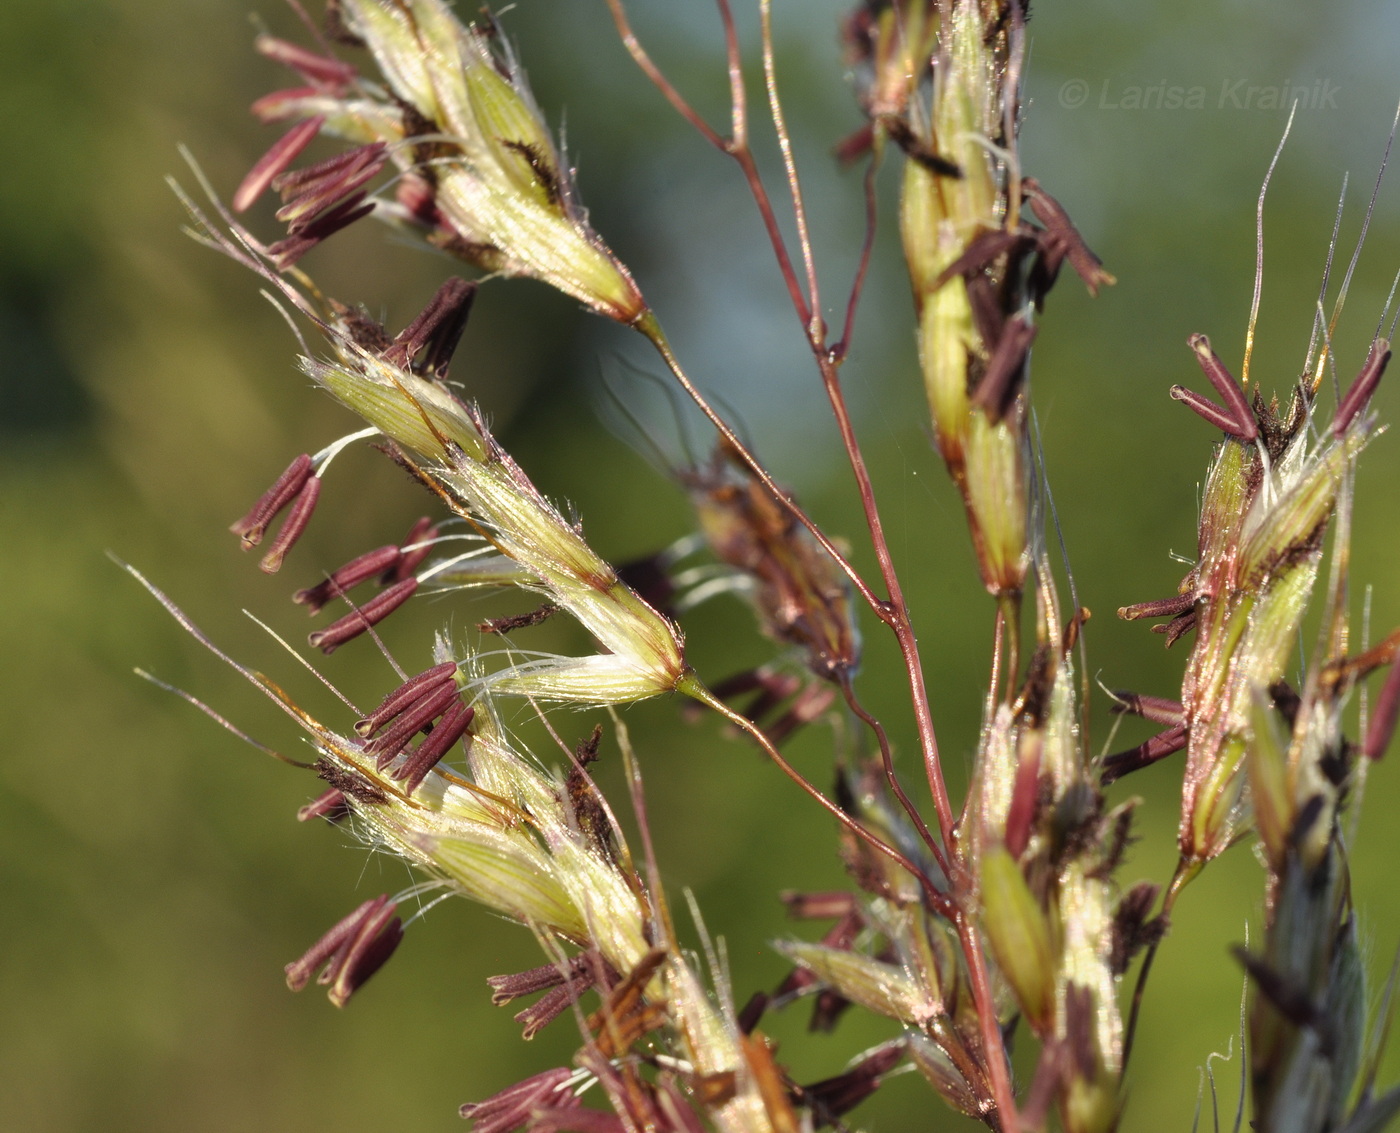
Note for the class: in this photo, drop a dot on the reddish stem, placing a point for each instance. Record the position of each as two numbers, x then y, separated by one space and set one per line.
887 759
938 901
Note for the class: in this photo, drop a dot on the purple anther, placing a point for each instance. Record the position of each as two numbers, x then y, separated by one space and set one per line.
818 906
284 490
1385 716
407 693
332 806
418 197
1158 709
1356 399
1158 747
1081 1031
983 251
831 1097
356 571
293 526
1204 407
299 972
512 1107
1177 628
1005 367
1230 391
545 1010
578 1119
1162 608
446 732
1062 241
752 1012
283 104
285 253
827 1008
422 712
420 538
798 980
428 342
325 72
357 621
1020 815
505 989
310 191
364 954
279 156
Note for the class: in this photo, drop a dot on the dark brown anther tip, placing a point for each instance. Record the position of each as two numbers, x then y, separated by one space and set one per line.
507 988
1020 815
1177 628
446 732
1132 929
410 692
1062 241
427 344
332 805
1158 747
285 253
357 570
1236 403
1171 607
1005 368
819 906
1208 411
298 519
831 1097
422 712
358 621
375 940
251 528
300 971
335 182
752 1012
279 105
518 1104
1158 709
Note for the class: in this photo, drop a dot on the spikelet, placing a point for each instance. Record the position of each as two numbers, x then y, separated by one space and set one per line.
481 176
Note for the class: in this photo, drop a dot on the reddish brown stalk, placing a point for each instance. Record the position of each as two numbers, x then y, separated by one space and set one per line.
838 352
887 760
652 329
815 327
1184 872
892 612
736 146
993 1047
938 901
655 891
659 80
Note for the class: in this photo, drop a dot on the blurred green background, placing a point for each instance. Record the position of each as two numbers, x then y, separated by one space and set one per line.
153 879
